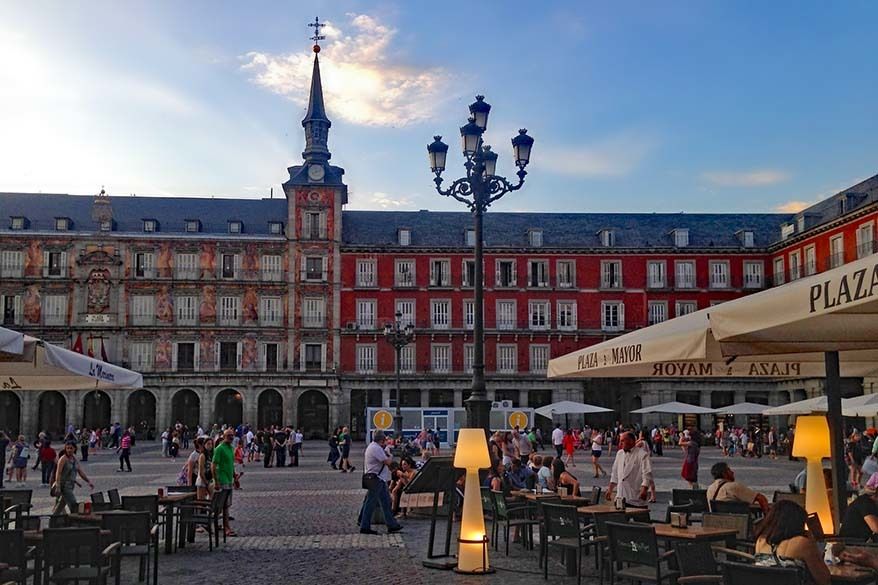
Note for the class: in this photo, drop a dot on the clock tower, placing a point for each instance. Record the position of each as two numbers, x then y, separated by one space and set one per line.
315 195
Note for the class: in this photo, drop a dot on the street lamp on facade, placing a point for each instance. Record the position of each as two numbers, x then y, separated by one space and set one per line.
478 190
398 336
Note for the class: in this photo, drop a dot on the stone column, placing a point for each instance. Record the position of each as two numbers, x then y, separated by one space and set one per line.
522 398
425 397
162 409
458 399
386 395
29 415
118 406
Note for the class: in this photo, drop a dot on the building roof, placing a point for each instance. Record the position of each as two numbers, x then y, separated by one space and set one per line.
561 230
842 203
171 213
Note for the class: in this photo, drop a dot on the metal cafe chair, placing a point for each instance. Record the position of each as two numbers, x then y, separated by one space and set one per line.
138 537
15 554
634 554
697 563
74 554
562 531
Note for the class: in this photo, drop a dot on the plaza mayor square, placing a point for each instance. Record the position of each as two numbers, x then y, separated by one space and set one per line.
408 293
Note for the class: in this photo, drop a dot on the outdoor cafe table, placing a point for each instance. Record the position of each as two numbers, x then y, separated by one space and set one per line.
848 573
169 501
639 514
532 497
693 532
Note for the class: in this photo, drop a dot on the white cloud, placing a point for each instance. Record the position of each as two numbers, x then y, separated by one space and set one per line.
360 83
752 178
387 201
616 156
793 206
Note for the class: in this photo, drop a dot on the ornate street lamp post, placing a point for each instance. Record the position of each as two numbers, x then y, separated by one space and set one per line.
478 190
398 336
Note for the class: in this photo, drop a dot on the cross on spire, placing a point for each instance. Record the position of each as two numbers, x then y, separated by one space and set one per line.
317 36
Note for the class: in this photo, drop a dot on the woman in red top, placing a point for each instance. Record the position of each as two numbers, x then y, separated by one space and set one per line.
569 443
125 448
47 457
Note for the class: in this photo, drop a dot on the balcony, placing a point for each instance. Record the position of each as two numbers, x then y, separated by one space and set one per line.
363 282
11 271
611 283
273 321
867 249
810 268
229 320
54 271
313 275
187 273
404 281
654 283
685 283
506 324
835 260
144 273
271 275
719 282
55 320
752 281
313 322
142 320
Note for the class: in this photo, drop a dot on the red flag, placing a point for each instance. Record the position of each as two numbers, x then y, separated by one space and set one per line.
77 345
91 349
103 351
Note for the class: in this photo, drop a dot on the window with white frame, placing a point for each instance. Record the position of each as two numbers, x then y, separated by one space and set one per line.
611 274
470 238
685 307
404 273
314 225
506 318
507 358
719 274
810 260
142 309
187 309
865 239
658 312
366 313
612 316
440 272
186 266
795 266
566 273
144 265
270 269
681 238
469 314
230 265
440 314
54 263
275 228
747 239
788 229
539 359
440 358
313 311
753 274
11 263
655 274
685 274
11 307
269 357
406 308
535 238
62 224
230 310
407 360
468 353
505 276
538 315
538 273
779 272
149 225
404 236
366 359
567 315
366 272
185 357
17 223
314 356
608 238
192 226
270 311
140 356
836 251
315 268
236 227
468 273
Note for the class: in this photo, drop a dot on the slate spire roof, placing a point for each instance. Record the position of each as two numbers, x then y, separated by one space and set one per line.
316 109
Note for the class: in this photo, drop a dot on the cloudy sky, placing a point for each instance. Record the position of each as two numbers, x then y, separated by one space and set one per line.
671 106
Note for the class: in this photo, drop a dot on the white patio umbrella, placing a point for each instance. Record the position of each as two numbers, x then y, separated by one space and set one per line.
866 405
818 404
743 408
674 408
49 367
569 407
11 342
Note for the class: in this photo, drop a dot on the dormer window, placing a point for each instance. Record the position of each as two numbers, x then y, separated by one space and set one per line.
236 227
681 237
404 237
62 224
841 205
106 225
786 230
192 226
18 223
150 225
535 238
608 238
275 228
470 238
746 238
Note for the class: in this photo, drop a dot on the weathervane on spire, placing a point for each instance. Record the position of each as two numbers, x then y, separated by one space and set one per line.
317 36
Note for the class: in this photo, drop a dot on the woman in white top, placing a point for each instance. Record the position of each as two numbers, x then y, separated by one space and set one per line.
597 449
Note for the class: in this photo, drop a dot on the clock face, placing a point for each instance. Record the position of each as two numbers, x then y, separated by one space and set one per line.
315 172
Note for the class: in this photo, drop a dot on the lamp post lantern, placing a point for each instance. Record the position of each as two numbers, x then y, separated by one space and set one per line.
399 336
478 190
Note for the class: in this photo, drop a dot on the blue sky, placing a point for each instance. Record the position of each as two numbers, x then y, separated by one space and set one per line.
672 106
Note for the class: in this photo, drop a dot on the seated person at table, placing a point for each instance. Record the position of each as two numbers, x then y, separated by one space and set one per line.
861 517
726 489
401 478
497 479
564 479
545 479
781 541
521 477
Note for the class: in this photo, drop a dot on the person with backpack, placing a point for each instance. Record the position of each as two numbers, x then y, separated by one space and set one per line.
20 455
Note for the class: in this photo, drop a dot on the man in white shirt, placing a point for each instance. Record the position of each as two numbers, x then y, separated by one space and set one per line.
523 444
377 472
632 473
558 440
296 447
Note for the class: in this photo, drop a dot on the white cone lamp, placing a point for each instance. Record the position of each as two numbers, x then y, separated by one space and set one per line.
812 443
472 455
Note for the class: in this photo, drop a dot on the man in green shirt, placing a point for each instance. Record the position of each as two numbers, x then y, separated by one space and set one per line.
224 474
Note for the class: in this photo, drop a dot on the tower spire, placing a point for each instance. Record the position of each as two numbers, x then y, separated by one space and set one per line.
316 124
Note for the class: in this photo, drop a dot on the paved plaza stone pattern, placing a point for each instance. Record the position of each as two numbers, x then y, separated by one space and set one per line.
298 525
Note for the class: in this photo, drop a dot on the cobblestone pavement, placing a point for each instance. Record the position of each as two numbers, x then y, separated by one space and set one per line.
298 525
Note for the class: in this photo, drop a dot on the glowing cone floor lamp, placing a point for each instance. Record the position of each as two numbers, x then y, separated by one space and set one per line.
472 455
812 443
